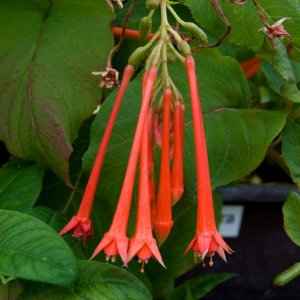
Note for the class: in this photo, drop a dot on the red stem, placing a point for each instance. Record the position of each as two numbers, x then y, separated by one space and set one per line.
117 31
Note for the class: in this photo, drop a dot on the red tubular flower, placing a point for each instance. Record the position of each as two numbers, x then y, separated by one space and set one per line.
81 224
207 240
182 113
251 66
177 168
163 218
115 240
118 31
142 244
151 165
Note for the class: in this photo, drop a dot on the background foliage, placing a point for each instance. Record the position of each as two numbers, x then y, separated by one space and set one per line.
48 50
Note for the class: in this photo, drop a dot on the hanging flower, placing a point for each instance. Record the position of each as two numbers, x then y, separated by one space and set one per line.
177 168
142 244
81 224
115 241
109 78
163 219
207 240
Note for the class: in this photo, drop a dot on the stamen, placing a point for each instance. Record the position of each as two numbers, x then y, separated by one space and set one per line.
211 263
143 267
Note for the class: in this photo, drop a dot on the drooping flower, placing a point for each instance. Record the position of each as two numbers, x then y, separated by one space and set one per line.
251 66
142 244
207 240
115 241
81 224
275 30
163 219
151 164
177 168
109 78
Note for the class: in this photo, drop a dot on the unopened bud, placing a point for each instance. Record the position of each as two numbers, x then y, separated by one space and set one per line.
137 56
145 26
195 31
184 48
152 4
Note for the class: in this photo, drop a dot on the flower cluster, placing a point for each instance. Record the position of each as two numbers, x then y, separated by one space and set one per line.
160 123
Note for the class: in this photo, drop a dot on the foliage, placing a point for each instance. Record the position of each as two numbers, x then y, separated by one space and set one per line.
48 50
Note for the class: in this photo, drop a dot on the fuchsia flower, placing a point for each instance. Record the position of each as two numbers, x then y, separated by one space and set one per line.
207 240
275 30
163 218
81 224
151 164
109 78
142 244
177 168
115 241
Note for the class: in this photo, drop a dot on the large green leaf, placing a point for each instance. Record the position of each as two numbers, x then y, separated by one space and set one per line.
291 148
30 249
291 212
243 18
279 59
199 286
103 281
48 50
97 281
20 185
245 21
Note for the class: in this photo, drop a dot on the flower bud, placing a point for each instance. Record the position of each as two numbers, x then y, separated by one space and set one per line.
137 56
152 4
184 48
145 26
195 31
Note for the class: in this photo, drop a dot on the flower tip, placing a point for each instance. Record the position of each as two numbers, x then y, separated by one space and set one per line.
162 230
176 195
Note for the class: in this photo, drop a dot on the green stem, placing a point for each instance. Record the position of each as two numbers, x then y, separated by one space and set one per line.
74 191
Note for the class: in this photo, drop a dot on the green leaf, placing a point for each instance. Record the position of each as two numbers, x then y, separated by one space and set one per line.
287 275
199 286
20 185
243 18
11 290
29 249
291 148
36 290
48 50
279 59
291 212
245 21
104 281
58 221
97 281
